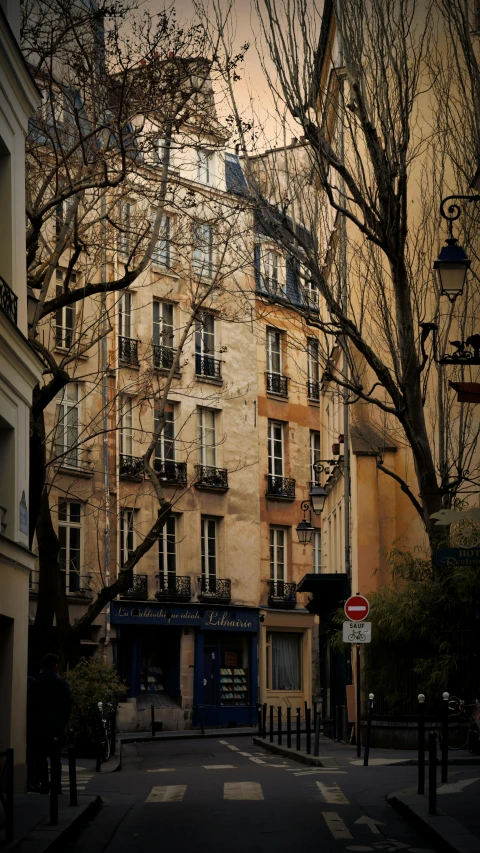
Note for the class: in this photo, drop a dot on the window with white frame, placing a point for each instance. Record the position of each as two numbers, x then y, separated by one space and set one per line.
163 324
317 552
64 317
205 363
127 535
313 367
274 351
69 537
278 554
273 272
125 315
162 252
124 227
205 162
284 661
167 554
314 454
206 437
165 446
126 425
203 250
312 293
275 449
67 425
209 548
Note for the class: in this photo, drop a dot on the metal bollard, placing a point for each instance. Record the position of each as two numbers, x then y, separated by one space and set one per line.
259 715
366 751
308 724
271 723
289 727
432 773
55 781
316 748
72 769
298 730
446 697
421 744
279 725
113 731
264 721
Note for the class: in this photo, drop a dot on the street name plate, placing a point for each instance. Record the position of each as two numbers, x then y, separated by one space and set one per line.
357 632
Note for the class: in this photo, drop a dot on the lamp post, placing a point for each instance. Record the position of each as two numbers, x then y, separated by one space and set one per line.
32 302
316 503
453 262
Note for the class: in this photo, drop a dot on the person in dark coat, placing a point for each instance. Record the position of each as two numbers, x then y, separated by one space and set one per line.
49 703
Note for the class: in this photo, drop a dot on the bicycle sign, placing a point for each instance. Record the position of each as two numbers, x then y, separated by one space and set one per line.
357 632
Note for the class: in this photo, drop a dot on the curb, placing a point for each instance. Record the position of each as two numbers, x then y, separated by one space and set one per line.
55 838
147 738
288 753
114 763
444 831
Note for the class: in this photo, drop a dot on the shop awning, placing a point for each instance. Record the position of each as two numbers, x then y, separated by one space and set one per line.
329 592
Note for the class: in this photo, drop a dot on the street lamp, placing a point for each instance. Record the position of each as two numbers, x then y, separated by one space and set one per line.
318 496
453 262
305 529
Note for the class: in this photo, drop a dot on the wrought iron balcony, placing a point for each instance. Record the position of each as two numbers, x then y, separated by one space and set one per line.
8 301
280 487
75 584
211 478
131 466
206 365
215 590
282 594
128 350
277 384
173 588
171 472
138 590
163 357
313 390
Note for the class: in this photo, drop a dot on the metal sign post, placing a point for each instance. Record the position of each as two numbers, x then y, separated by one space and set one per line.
357 631
357 708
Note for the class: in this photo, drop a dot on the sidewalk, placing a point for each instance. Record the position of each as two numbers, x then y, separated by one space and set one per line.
139 737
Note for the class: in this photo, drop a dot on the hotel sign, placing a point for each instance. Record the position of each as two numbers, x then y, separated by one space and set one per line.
208 618
457 557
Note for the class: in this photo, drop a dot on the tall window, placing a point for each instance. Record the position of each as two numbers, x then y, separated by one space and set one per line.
205 364
284 661
167 554
165 447
69 530
125 319
209 552
67 429
163 324
313 365
278 554
162 252
272 272
203 250
127 535
314 454
126 426
275 449
64 317
204 166
274 351
317 552
206 437
124 226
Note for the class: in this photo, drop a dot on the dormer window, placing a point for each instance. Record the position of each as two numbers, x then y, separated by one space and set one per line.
204 166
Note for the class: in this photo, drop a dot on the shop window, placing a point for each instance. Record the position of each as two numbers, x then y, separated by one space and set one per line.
69 529
284 661
234 689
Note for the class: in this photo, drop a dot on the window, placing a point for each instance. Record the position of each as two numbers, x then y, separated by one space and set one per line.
205 363
313 366
204 166
125 321
163 324
209 552
275 449
64 317
284 661
274 351
312 293
124 226
126 426
167 554
67 428
272 273
278 554
165 447
127 535
314 455
162 252
317 552
69 530
206 437
203 250
61 213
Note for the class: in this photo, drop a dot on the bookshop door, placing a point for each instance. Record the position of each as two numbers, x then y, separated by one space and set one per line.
210 675
226 683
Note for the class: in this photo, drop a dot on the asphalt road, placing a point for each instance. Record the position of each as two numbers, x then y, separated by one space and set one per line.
228 796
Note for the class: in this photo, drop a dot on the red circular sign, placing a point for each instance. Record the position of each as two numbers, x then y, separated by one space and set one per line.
356 608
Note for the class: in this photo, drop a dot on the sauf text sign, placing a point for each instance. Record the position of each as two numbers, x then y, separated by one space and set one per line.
357 632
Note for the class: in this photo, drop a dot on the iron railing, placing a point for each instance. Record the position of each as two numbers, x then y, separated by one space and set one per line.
280 487
173 588
282 594
163 357
171 472
8 301
277 384
128 350
313 390
131 466
209 477
206 365
74 583
138 589
215 589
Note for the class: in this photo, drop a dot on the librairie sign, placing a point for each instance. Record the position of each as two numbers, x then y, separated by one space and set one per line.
208 618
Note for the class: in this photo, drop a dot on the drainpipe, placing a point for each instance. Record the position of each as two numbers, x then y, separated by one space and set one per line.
106 456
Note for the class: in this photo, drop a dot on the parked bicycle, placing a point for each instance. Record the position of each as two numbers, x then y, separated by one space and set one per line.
104 734
464 725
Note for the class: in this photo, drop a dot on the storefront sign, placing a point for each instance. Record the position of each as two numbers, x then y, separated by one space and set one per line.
221 619
457 557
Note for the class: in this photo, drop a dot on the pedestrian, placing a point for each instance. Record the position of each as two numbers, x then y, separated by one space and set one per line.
49 703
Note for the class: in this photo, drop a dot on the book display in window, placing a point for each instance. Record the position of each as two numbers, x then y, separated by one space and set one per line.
151 680
233 686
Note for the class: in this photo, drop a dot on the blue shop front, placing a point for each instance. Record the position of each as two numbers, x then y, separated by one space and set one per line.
158 646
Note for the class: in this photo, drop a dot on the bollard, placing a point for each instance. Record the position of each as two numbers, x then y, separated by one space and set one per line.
72 769
259 715
421 744
308 722
316 748
279 725
366 751
152 715
264 721
99 733
289 727
432 773
113 730
298 729
55 781
446 697
271 723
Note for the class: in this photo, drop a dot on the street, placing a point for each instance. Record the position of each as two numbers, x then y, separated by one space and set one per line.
228 795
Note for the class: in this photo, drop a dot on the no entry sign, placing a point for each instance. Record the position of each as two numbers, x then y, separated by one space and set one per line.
356 608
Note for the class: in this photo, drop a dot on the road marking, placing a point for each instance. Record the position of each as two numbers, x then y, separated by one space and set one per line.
257 760
336 825
456 787
313 772
218 767
376 761
332 794
230 745
162 770
83 776
370 822
242 791
166 794
248 754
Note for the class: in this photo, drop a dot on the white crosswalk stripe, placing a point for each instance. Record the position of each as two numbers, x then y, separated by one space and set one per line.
83 777
331 794
166 794
336 825
218 767
242 791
